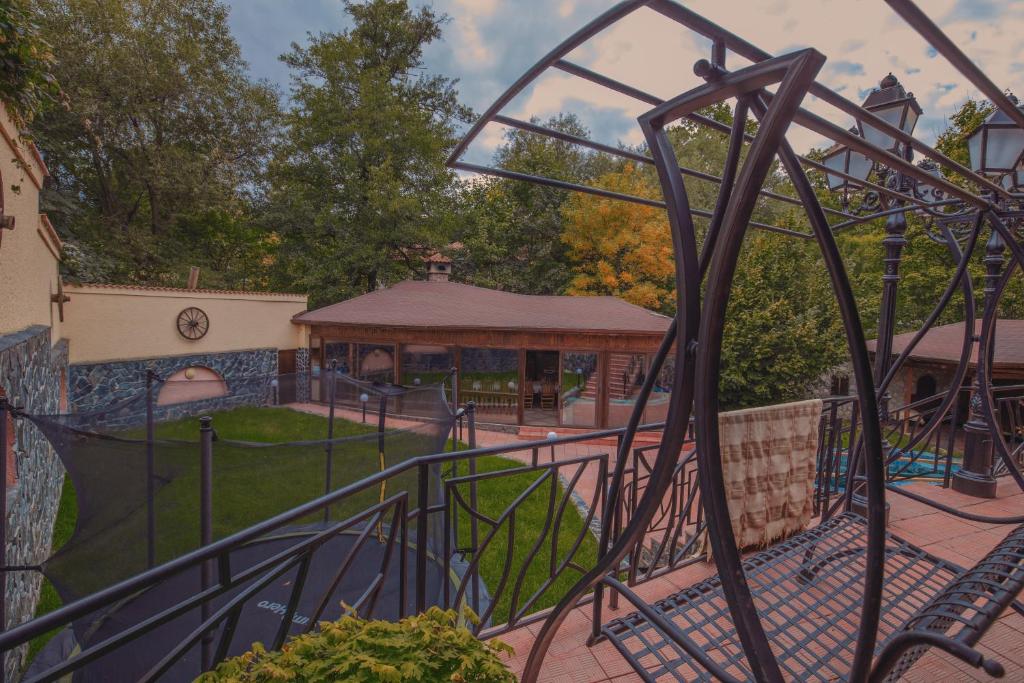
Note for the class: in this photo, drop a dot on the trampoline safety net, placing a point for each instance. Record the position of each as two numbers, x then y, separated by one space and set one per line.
136 466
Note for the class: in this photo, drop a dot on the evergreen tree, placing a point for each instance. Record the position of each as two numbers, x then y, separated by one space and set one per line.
360 190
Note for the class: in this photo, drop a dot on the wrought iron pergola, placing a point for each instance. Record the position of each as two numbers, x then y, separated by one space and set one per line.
874 158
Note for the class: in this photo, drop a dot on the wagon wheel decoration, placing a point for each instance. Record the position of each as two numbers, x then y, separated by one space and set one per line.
193 323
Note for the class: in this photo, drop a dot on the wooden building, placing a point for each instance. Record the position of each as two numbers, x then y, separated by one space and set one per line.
522 359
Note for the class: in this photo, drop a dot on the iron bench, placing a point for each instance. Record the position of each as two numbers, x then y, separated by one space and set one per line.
808 593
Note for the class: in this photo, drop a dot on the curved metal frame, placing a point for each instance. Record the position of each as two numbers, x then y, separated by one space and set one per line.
697 352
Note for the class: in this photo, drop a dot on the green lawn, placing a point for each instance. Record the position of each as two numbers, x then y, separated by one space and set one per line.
251 484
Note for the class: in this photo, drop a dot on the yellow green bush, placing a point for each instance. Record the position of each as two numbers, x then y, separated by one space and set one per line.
431 647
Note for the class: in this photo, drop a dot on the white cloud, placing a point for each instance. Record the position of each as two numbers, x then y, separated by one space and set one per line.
863 40
470 43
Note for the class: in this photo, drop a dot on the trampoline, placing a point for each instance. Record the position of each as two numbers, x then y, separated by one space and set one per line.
144 501
261 616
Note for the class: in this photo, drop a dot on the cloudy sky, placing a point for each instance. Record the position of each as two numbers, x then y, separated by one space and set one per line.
488 43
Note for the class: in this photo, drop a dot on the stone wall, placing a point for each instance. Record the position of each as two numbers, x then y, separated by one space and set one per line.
302 393
30 373
97 386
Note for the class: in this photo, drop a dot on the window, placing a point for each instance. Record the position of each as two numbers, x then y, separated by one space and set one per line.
425 364
490 378
63 390
376 363
8 445
578 400
191 384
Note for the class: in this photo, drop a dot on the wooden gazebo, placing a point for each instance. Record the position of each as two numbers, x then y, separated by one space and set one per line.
523 359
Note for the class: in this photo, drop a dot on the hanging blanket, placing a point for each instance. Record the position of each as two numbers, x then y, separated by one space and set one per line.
768 461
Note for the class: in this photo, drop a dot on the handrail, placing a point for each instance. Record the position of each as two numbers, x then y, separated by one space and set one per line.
30 629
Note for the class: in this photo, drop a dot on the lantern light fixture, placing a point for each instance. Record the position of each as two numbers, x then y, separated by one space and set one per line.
996 146
894 105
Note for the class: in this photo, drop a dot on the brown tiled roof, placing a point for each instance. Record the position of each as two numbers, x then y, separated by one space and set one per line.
419 303
943 344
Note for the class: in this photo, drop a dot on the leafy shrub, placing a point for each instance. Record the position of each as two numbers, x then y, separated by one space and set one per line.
429 647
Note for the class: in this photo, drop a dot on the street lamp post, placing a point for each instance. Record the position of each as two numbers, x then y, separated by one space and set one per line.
996 150
892 103
975 476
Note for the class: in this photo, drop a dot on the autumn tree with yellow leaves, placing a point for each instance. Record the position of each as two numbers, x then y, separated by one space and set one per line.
619 248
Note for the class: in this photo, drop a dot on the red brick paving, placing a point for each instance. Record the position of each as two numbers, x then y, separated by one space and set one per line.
948 537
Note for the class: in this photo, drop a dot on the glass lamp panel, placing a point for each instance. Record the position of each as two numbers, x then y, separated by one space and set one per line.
910 121
1003 148
876 136
974 149
860 165
836 161
1011 182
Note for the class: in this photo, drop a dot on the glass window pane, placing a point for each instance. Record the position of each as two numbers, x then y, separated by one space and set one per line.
626 374
579 389
376 362
657 405
337 351
490 378
425 364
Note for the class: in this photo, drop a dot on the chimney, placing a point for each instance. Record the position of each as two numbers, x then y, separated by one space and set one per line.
193 278
439 267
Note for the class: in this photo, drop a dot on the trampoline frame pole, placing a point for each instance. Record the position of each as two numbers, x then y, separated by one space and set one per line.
150 467
206 525
381 461
332 390
4 409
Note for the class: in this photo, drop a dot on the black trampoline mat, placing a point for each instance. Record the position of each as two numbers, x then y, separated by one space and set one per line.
260 618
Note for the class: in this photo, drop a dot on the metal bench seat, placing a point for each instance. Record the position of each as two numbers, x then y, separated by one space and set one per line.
808 591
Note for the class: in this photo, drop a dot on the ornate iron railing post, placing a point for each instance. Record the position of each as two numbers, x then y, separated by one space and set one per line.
975 476
332 389
150 472
206 526
422 510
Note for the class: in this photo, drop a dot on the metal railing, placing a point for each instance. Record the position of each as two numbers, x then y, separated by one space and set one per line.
531 561
397 525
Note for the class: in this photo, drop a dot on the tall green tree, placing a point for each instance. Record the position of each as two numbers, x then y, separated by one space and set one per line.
163 127
360 190
512 230
27 84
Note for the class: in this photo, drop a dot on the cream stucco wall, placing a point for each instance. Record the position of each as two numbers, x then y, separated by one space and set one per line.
29 253
112 322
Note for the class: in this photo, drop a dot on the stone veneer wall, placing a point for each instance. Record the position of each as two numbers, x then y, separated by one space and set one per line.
302 375
30 373
94 386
